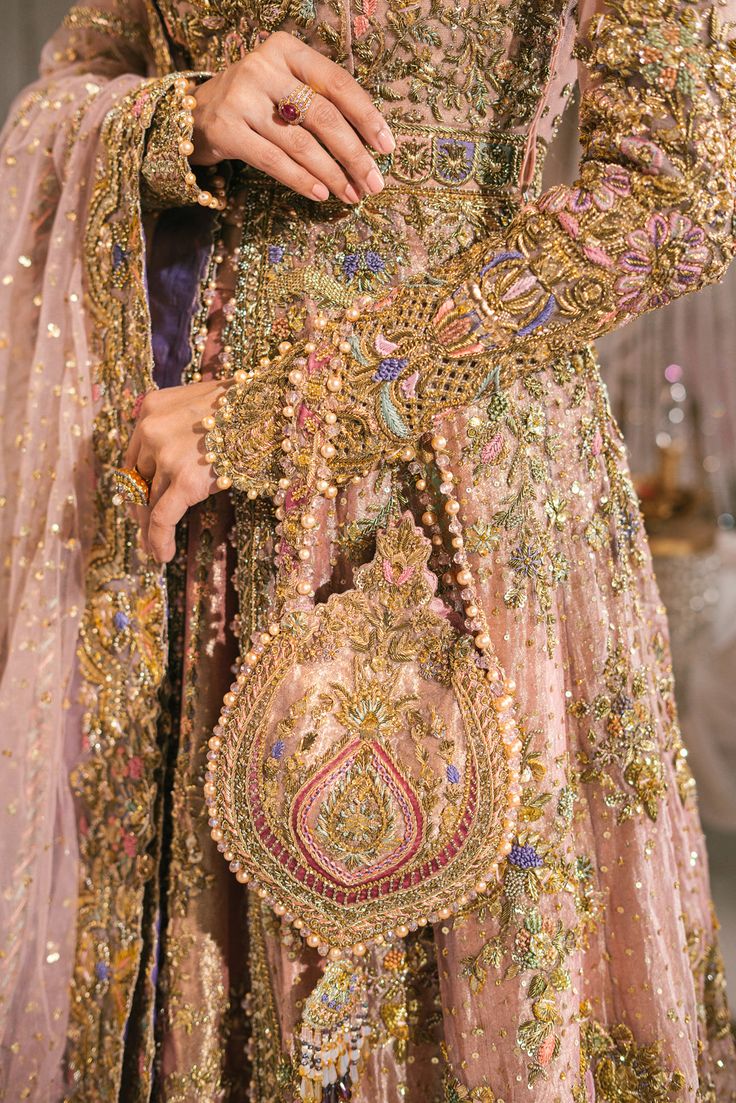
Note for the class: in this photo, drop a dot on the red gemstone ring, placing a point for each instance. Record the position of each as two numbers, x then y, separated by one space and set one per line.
293 108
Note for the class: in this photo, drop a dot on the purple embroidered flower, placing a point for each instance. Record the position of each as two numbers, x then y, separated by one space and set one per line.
390 368
121 621
663 261
603 193
629 526
373 261
364 261
275 254
351 265
525 857
277 751
102 970
453 774
622 703
526 560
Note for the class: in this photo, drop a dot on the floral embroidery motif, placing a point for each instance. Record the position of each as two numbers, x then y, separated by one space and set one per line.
664 260
626 760
618 1070
291 262
570 267
527 941
338 824
121 649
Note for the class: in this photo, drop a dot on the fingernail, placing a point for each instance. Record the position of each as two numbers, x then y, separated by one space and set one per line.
351 194
319 191
386 142
374 180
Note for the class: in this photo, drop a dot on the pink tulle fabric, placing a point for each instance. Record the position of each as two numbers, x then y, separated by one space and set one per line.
49 149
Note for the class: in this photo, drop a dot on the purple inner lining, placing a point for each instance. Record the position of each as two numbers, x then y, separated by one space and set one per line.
177 261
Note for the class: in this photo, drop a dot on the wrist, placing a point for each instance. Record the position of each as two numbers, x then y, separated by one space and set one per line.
202 155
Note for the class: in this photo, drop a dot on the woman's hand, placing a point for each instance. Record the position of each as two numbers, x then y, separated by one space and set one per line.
167 447
236 118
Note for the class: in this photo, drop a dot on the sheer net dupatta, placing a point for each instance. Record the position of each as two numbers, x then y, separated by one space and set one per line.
53 158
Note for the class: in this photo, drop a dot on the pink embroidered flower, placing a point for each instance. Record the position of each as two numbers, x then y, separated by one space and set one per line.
602 194
663 261
647 156
546 1050
135 767
409 385
360 25
492 449
383 345
130 845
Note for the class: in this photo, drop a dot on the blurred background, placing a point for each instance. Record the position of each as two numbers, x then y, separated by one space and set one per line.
672 379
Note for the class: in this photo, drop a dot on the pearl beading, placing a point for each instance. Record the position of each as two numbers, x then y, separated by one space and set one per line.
325 487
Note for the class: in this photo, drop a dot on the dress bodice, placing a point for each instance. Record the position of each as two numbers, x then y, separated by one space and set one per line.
494 80
472 97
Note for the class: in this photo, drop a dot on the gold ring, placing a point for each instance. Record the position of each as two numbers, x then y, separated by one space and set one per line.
293 108
130 486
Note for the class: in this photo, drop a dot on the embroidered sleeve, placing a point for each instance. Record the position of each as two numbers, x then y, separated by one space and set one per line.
168 177
650 218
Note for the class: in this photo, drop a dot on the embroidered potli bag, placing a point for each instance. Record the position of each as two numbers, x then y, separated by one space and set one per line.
364 775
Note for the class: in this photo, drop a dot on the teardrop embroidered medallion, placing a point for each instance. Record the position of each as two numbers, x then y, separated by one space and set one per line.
364 776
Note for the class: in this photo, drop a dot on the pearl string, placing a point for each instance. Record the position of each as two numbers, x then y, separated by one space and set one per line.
214 199
200 328
326 487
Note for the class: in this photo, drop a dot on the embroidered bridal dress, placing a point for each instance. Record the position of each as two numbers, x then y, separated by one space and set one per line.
135 965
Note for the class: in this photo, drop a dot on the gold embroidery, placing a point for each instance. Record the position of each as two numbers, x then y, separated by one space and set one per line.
273 1072
204 1078
627 760
330 792
650 218
122 637
624 1071
80 17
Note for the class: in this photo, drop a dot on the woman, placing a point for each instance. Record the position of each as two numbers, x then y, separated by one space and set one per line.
319 231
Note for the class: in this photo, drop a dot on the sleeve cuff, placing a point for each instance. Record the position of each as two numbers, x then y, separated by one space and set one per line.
168 179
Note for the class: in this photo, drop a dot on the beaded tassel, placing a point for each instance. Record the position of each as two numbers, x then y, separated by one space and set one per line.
334 1035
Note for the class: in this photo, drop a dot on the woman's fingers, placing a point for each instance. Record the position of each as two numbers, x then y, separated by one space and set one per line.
341 89
338 138
163 519
236 117
159 486
303 148
274 161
